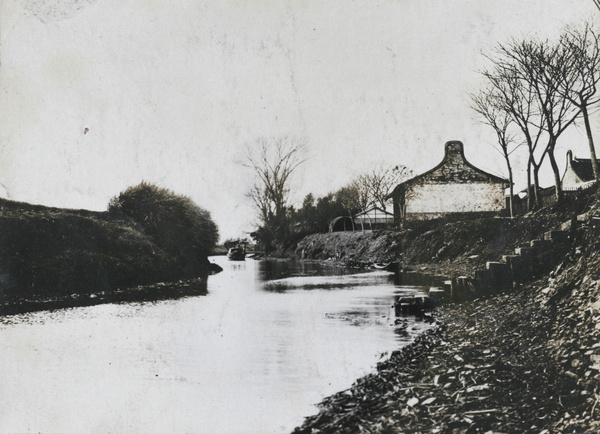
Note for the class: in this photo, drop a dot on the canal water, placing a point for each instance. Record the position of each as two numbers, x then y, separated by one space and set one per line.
270 340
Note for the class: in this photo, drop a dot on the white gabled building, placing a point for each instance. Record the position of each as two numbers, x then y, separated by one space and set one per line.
578 175
454 186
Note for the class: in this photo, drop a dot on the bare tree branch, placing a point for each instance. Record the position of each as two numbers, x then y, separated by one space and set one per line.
379 182
489 105
273 161
527 75
578 80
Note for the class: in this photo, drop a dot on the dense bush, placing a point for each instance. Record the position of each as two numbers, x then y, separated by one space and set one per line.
172 221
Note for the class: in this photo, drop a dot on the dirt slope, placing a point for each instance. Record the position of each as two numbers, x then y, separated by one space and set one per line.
455 246
527 360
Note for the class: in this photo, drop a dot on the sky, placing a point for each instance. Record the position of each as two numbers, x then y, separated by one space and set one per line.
99 95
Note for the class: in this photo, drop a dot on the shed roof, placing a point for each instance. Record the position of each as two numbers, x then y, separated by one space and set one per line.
376 210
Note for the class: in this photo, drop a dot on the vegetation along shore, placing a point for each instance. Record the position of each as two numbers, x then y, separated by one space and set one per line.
53 257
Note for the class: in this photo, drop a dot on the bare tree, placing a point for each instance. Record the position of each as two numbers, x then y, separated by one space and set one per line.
541 66
349 197
517 98
488 104
550 66
578 81
356 195
273 161
380 181
364 198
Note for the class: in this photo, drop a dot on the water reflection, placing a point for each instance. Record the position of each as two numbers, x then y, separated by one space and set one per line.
281 276
245 358
409 278
271 270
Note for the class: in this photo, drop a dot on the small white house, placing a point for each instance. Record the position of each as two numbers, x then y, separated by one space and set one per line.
578 175
454 186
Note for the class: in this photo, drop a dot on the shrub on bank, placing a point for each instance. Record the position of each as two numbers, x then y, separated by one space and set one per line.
172 221
149 235
58 253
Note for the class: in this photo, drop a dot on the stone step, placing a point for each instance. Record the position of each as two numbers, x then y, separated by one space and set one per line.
497 267
556 236
540 244
523 251
500 276
508 259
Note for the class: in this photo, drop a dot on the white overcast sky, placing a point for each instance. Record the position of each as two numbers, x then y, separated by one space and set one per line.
171 91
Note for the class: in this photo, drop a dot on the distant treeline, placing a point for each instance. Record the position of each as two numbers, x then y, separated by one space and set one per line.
147 235
281 226
312 217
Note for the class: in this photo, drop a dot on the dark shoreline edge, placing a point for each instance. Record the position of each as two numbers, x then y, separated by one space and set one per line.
519 361
141 293
341 412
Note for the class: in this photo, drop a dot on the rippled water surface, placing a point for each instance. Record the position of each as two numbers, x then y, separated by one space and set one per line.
268 342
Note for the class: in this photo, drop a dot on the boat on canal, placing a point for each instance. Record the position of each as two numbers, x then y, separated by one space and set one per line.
387 266
237 253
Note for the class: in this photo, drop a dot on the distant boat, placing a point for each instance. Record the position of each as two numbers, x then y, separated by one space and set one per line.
237 253
387 266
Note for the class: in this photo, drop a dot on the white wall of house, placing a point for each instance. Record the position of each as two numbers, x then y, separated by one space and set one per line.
455 197
571 181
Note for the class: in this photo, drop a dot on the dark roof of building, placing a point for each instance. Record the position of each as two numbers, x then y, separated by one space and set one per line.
583 168
452 149
580 167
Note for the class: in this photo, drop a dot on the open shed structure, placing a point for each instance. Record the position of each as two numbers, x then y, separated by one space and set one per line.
341 224
454 186
372 218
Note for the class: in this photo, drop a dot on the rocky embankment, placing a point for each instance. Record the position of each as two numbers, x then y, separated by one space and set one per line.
351 247
441 246
524 360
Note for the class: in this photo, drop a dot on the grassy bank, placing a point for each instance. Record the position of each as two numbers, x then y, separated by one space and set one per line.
525 360
52 256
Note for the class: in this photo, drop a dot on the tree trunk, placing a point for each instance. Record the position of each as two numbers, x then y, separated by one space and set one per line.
555 170
369 218
529 187
532 193
510 179
351 220
536 186
588 130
